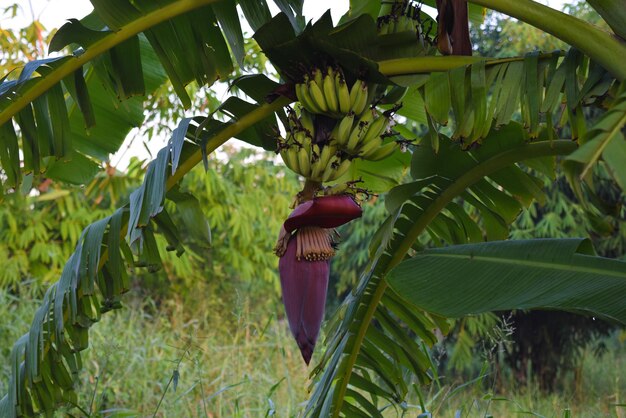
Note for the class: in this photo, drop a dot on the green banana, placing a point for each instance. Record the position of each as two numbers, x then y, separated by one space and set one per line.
318 77
293 123
344 127
318 96
306 120
409 24
355 95
384 28
361 104
329 172
358 132
381 152
336 170
343 93
304 96
304 163
289 158
330 94
367 147
343 168
324 161
316 155
367 117
376 128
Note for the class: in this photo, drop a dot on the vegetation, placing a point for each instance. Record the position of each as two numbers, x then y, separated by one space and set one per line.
476 141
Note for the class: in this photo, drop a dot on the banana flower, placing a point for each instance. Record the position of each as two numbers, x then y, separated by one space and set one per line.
305 246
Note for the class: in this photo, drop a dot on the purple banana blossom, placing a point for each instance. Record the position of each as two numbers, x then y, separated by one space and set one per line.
325 211
304 285
304 263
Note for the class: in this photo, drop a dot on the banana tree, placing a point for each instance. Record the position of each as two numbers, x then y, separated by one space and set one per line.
492 128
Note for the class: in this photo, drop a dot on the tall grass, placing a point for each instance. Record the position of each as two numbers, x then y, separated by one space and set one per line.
161 360
228 368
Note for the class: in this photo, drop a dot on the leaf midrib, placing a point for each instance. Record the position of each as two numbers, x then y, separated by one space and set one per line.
560 266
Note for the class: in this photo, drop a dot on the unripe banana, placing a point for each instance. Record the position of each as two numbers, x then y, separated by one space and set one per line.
344 129
381 152
306 120
343 93
355 95
300 137
324 161
367 147
317 96
339 170
376 128
329 173
304 96
304 163
287 154
368 116
409 24
330 94
361 104
293 123
289 141
342 169
336 189
315 159
318 77
358 132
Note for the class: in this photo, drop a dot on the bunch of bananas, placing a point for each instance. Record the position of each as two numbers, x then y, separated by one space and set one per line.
328 94
318 162
396 24
363 137
351 128
406 18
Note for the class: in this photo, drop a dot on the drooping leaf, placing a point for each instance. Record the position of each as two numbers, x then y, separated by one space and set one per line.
228 18
350 346
110 66
604 140
533 274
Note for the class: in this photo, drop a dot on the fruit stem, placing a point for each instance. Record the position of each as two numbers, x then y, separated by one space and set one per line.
309 190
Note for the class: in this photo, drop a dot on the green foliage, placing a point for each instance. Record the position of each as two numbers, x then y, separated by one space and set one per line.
38 229
24 44
520 275
244 197
354 255
228 371
377 344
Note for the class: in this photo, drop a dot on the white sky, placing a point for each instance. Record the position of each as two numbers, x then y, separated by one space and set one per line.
53 14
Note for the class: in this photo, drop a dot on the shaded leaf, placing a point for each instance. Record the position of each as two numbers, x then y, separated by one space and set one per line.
533 274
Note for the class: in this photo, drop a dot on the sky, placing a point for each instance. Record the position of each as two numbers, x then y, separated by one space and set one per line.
54 13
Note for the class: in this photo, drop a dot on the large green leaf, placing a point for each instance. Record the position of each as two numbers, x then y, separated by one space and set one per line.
427 204
74 111
555 274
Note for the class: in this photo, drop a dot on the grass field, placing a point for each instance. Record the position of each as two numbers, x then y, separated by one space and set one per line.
141 363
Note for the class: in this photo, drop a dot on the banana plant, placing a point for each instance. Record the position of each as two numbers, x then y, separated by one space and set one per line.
493 127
